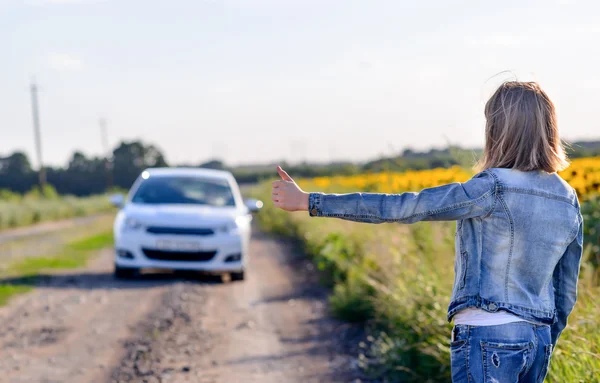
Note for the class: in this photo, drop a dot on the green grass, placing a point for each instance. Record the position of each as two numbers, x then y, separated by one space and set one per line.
75 254
31 266
8 291
22 210
93 243
24 272
397 279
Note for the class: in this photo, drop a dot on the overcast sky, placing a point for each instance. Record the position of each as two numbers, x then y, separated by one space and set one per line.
263 80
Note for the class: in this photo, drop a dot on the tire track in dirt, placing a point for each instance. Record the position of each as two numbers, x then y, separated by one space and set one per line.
273 327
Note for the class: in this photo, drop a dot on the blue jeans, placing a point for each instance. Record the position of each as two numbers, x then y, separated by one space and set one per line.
510 353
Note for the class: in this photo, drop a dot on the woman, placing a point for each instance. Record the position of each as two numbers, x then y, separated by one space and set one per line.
518 245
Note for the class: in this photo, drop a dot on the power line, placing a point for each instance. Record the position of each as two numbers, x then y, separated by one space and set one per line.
37 134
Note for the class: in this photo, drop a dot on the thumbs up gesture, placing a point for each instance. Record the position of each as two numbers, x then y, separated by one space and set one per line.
287 195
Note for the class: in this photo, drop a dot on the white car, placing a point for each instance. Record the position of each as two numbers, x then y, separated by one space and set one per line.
183 219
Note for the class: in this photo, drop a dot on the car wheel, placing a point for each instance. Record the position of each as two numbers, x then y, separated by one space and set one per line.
239 276
125 272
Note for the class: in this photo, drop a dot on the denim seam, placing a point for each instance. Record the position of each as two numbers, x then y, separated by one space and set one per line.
534 353
524 346
545 367
575 231
510 251
539 194
530 310
480 249
467 353
314 202
459 232
423 214
464 268
495 192
478 299
484 361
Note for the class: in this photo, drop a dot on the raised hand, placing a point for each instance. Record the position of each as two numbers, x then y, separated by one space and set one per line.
287 195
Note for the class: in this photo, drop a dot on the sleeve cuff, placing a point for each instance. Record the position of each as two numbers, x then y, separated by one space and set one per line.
314 204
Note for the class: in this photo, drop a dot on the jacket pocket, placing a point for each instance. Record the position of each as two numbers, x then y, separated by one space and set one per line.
504 362
462 277
546 365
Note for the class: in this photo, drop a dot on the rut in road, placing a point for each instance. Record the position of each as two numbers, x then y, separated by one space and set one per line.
85 326
273 327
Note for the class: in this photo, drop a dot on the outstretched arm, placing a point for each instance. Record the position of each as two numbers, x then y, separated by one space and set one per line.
454 201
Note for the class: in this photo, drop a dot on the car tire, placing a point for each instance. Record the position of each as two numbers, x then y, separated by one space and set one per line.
239 276
125 272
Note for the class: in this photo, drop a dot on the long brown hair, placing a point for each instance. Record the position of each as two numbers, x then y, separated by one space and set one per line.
521 130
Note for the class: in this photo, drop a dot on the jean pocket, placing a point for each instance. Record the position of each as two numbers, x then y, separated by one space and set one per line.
544 370
504 362
458 361
457 344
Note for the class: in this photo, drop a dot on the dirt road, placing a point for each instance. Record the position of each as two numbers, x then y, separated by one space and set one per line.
84 326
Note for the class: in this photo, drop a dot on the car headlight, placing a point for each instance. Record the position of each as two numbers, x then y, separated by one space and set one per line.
132 224
234 226
243 220
229 227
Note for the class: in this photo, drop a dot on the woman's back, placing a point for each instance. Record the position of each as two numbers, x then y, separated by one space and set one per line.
506 258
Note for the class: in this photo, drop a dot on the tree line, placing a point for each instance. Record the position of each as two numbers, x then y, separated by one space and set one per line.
83 175
94 175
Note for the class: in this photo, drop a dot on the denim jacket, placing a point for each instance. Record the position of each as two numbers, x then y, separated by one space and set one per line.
519 238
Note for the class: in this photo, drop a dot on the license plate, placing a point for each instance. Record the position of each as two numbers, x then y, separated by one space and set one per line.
177 245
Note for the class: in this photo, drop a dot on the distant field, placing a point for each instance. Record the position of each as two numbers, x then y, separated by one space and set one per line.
583 175
22 210
398 278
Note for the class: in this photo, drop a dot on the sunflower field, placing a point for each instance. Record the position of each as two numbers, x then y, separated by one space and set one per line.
583 175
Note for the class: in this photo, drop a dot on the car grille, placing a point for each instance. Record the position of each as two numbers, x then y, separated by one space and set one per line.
179 230
199 256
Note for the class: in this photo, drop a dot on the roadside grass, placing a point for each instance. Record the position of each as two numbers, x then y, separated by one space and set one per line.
96 242
397 280
34 207
51 242
9 291
23 274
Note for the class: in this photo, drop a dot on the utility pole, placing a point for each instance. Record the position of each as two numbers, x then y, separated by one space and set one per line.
37 135
107 156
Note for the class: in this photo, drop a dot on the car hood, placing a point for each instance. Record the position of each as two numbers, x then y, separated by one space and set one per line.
181 215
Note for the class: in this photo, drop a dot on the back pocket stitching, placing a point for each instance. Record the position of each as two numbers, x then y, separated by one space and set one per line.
508 346
526 347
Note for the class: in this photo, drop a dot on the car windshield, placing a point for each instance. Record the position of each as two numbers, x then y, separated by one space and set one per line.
184 190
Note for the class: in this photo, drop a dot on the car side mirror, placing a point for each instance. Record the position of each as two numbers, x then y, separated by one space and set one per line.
254 205
117 200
